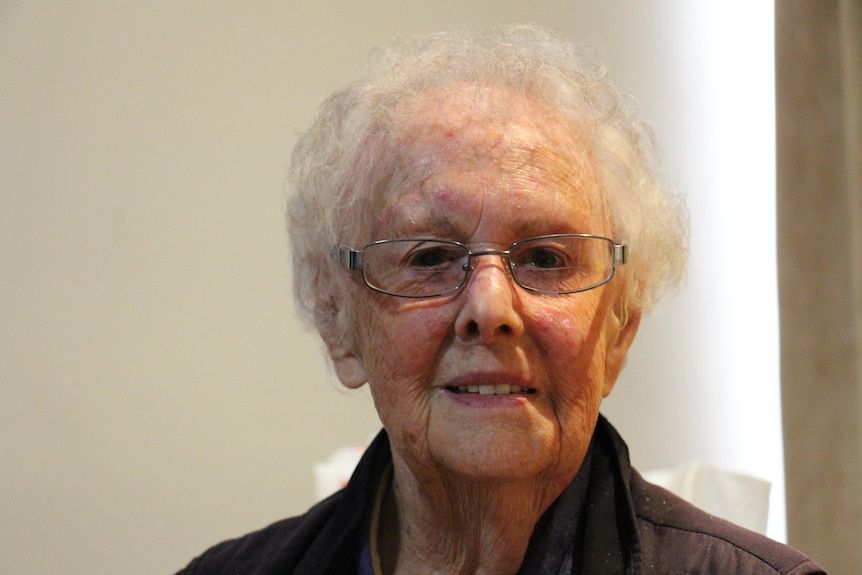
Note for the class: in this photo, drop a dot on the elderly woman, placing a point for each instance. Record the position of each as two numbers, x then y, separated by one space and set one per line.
477 229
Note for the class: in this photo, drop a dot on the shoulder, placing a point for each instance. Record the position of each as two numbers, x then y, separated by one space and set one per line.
273 549
676 537
325 539
670 536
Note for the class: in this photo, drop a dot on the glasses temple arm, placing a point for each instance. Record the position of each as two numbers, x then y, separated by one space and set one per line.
621 253
351 259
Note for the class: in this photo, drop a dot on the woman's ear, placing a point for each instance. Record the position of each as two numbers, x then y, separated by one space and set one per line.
341 344
349 366
620 332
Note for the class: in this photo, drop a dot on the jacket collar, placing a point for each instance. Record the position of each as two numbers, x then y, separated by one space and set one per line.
595 514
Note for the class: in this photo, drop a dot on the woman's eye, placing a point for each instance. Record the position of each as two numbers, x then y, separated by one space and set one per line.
432 257
542 258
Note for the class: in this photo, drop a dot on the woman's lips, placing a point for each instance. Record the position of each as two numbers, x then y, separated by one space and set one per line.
489 389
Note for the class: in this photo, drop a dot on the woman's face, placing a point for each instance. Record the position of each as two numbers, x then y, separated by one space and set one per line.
485 167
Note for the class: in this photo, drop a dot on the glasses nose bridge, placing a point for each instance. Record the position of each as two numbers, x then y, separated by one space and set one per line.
472 256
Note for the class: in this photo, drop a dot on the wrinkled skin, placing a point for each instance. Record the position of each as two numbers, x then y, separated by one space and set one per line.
473 472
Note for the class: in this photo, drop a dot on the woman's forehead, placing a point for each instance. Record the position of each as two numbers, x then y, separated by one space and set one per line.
488 128
466 145
456 211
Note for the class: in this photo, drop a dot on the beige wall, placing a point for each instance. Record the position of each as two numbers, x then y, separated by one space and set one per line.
156 393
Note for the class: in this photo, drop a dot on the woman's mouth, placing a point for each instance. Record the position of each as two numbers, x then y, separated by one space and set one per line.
498 389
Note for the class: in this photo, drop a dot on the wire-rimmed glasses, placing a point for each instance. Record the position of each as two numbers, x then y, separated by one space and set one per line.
422 268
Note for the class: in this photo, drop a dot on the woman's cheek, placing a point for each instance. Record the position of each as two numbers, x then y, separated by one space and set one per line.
572 350
559 325
404 345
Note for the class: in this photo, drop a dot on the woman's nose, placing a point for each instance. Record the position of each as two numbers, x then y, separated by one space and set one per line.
489 311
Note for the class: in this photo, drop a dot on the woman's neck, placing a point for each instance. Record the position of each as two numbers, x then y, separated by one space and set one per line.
458 525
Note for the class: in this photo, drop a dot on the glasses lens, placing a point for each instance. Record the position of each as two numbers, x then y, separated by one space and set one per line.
562 264
414 268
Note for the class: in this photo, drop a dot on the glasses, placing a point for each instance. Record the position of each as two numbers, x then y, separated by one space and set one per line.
421 268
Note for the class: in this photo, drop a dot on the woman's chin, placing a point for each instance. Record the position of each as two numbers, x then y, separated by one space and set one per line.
495 455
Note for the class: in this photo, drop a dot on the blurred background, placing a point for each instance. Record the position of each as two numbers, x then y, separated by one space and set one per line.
157 394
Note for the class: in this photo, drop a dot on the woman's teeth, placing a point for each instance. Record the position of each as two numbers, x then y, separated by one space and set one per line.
499 389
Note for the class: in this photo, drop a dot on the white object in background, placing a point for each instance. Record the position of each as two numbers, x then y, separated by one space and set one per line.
736 497
333 473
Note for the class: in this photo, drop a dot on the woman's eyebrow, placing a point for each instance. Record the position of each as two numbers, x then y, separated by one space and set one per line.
438 224
543 227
